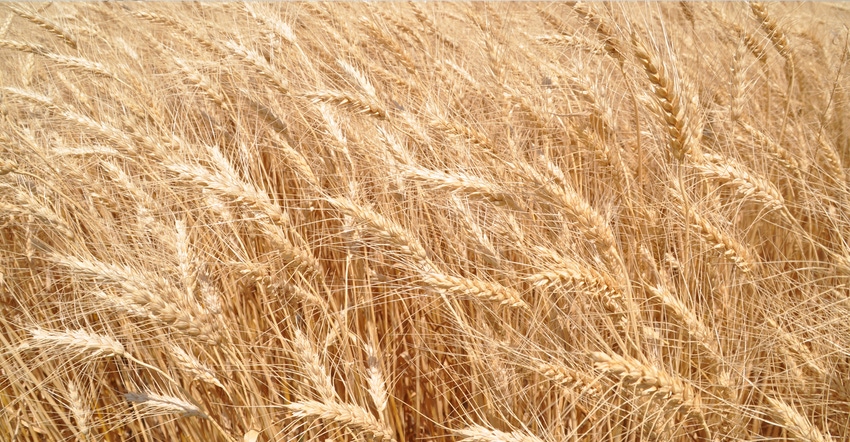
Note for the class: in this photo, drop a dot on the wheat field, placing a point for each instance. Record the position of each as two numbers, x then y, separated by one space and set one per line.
424 222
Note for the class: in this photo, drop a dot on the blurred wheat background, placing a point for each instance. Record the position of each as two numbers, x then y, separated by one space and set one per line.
424 222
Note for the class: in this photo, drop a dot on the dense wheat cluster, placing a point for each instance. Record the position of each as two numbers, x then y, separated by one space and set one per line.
424 222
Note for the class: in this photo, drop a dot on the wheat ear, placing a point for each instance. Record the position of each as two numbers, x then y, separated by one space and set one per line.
76 341
687 318
745 182
604 30
343 100
353 417
474 288
313 367
797 424
47 25
377 386
383 228
683 133
143 294
477 433
81 412
158 403
462 183
196 368
671 391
